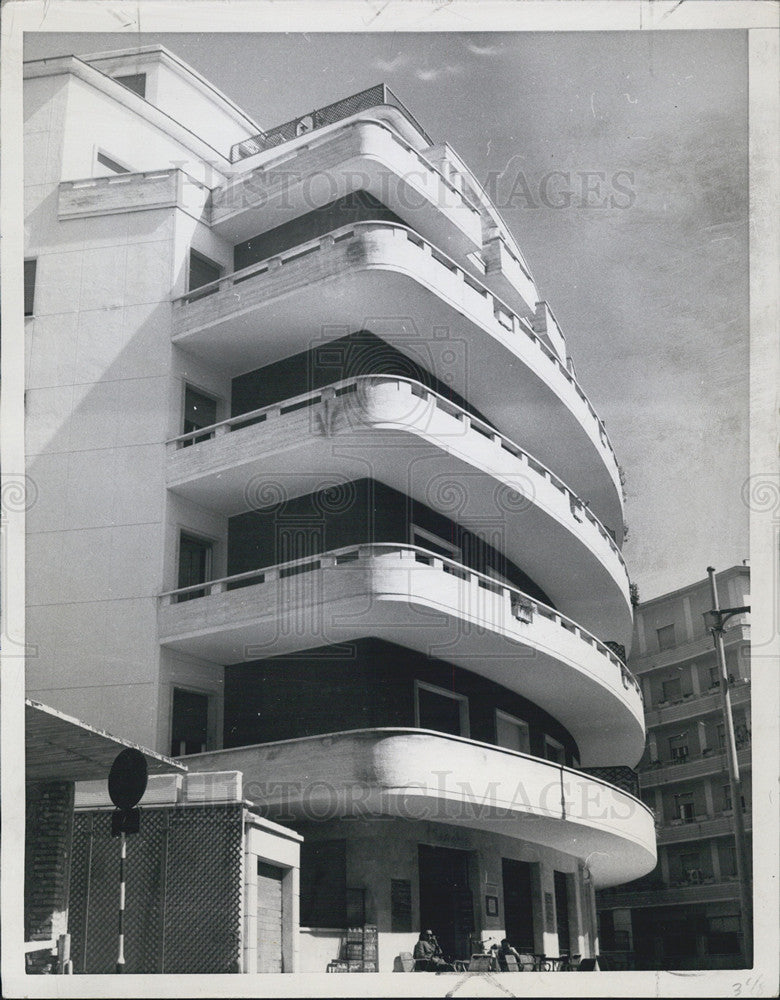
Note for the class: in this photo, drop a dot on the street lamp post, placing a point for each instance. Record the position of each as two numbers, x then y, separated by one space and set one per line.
717 619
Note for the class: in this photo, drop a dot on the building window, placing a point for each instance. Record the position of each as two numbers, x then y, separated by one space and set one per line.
200 411
189 722
30 267
665 637
195 556
727 803
108 161
672 689
561 887
728 860
678 748
553 750
434 543
441 710
723 936
714 677
721 733
135 82
684 807
202 271
324 884
512 733
690 867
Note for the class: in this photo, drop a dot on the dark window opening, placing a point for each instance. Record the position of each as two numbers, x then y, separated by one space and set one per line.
562 911
135 82
440 711
106 161
199 411
189 722
665 637
518 904
324 884
194 564
202 271
30 267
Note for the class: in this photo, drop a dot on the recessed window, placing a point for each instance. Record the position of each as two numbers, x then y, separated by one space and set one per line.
665 637
441 710
714 677
194 564
684 807
672 689
189 722
135 82
512 733
678 748
109 162
202 270
434 543
200 411
30 267
690 867
553 750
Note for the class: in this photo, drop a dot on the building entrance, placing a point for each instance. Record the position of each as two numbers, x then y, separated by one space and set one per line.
518 905
446 905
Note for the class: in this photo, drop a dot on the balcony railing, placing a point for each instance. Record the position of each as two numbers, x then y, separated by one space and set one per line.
320 117
503 315
525 604
579 510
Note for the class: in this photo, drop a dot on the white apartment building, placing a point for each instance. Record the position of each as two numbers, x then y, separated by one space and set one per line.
322 501
686 913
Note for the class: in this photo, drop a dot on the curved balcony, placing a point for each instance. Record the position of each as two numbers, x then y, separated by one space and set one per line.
414 598
411 438
365 154
384 276
391 772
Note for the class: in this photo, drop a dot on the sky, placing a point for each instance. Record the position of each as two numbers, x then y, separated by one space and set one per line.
619 162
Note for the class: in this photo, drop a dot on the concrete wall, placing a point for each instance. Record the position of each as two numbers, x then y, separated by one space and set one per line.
370 684
382 850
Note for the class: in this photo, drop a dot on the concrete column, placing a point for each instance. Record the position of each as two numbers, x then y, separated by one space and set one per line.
579 923
659 805
547 942
250 913
695 685
715 857
640 634
652 739
688 619
708 798
701 733
290 919
663 859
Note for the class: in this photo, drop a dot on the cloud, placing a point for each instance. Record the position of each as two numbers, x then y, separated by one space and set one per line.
388 65
483 50
436 73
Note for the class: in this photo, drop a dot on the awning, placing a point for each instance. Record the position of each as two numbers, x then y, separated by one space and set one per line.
61 748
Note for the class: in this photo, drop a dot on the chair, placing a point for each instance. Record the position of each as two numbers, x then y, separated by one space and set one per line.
482 963
403 962
588 965
511 964
527 963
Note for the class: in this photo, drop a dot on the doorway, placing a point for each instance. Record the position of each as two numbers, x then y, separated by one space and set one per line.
518 904
446 904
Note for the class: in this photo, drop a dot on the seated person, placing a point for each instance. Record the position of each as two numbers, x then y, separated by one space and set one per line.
504 949
428 956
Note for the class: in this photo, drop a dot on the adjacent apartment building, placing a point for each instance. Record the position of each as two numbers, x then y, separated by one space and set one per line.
322 501
686 913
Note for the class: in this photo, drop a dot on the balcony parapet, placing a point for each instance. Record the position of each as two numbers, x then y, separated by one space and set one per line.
133 192
579 511
700 646
700 828
380 94
215 303
702 704
713 762
417 598
389 772
707 891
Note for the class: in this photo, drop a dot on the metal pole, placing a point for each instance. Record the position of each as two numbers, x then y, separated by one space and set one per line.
735 784
120 962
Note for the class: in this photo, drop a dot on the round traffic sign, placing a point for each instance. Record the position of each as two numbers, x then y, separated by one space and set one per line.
127 778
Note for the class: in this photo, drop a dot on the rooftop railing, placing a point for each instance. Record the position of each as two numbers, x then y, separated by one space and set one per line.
320 117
